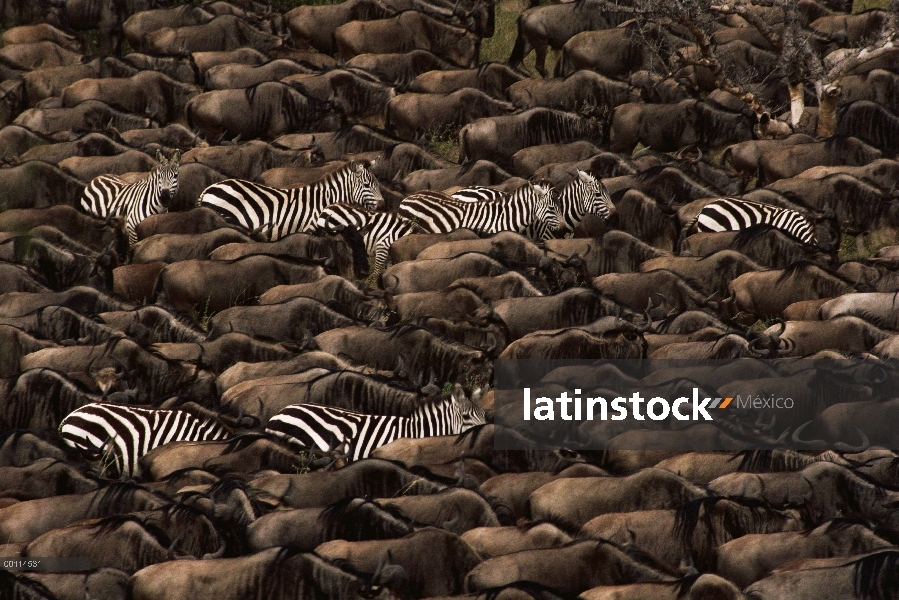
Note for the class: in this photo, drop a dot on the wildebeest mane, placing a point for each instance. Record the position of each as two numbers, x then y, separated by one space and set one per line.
119 496
761 518
802 270
356 519
359 138
113 523
20 587
876 576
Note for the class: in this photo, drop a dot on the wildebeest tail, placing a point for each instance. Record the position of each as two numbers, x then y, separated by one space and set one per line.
517 55
559 70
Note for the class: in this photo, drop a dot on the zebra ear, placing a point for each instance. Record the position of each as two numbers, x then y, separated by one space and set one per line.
584 176
176 158
160 158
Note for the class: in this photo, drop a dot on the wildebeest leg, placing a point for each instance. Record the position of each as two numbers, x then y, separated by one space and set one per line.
540 57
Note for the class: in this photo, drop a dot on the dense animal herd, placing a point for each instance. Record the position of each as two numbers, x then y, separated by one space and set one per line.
249 317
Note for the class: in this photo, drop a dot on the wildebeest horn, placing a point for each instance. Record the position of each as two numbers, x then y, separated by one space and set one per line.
809 444
846 448
789 346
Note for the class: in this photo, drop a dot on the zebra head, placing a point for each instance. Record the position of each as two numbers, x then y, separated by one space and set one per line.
591 196
546 215
365 188
470 414
165 181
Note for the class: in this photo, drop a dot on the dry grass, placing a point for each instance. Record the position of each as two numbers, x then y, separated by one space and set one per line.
862 5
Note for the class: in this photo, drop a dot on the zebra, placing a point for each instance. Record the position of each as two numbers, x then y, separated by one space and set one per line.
529 207
108 195
120 435
584 194
285 211
379 229
735 214
313 426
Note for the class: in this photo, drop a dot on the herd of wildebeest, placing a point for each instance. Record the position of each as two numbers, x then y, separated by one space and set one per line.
204 314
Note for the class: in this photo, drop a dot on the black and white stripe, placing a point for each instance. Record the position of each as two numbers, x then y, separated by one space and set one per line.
108 195
324 428
379 229
530 207
734 214
583 195
120 435
283 212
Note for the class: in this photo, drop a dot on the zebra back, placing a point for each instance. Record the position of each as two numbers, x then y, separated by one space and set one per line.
108 195
530 206
379 229
735 214
324 428
120 435
281 212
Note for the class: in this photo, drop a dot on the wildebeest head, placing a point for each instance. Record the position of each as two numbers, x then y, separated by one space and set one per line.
364 185
165 180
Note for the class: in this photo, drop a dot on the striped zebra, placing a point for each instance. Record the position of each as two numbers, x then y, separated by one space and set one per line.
529 208
120 435
282 212
324 428
735 214
583 195
108 195
379 229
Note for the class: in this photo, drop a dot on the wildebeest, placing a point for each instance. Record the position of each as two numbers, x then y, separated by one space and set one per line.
870 122
413 114
216 285
144 22
767 293
407 31
786 162
399 68
90 115
37 55
422 276
687 122
249 159
498 138
614 53
581 91
277 573
540 27
355 94
266 110
37 184
315 25
405 348
225 32
233 76
491 77
745 156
